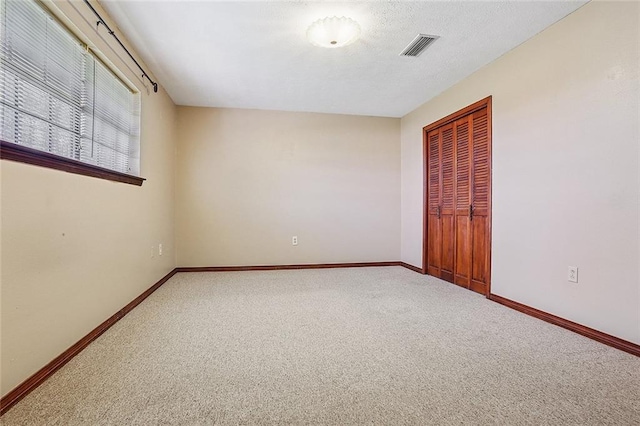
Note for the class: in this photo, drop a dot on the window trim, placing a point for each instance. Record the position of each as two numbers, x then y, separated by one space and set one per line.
22 154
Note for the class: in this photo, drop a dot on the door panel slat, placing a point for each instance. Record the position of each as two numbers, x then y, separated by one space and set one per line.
448 177
434 170
463 160
481 173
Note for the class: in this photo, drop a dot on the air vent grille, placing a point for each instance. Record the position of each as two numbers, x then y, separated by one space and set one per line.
418 45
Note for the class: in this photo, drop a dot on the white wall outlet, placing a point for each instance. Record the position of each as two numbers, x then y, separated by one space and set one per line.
294 241
160 249
573 274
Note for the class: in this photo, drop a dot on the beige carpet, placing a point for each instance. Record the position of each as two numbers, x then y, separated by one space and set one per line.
342 346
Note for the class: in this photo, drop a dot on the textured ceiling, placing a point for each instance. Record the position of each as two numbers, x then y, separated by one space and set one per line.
256 55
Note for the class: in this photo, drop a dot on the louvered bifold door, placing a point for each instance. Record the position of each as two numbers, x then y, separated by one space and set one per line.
458 243
447 202
463 202
434 235
481 201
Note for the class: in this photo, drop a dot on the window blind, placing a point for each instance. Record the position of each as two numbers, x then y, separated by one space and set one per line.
57 97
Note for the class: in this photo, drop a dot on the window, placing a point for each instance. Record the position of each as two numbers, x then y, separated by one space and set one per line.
59 99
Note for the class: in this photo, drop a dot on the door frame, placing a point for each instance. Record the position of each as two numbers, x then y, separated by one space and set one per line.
476 106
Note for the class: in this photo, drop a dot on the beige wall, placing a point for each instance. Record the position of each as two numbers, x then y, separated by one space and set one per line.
76 249
249 180
565 168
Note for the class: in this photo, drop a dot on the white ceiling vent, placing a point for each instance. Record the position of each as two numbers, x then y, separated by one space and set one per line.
419 45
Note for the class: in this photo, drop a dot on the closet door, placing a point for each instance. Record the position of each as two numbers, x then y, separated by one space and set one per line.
463 202
458 197
481 202
447 202
441 203
434 235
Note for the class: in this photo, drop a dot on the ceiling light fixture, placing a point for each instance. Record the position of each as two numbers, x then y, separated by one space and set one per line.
332 32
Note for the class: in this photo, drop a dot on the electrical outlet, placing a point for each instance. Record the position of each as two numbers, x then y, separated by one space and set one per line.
294 241
160 249
573 274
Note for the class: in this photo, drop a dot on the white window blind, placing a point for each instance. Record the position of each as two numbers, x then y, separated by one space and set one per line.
56 97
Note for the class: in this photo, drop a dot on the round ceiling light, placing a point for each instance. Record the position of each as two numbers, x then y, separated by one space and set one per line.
332 32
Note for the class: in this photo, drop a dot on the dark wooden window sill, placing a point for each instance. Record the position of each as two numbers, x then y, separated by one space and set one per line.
22 154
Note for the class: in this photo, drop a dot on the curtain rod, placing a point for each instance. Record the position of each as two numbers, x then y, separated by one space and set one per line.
101 21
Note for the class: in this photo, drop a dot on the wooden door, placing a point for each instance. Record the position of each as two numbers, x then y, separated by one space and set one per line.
458 197
463 202
447 203
481 202
434 236
441 196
